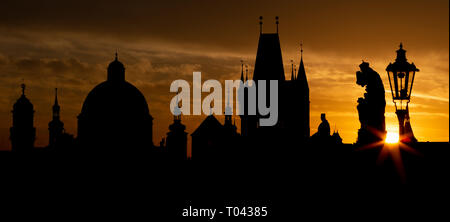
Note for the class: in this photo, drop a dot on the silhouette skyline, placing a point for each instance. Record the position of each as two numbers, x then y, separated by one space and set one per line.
86 125
77 72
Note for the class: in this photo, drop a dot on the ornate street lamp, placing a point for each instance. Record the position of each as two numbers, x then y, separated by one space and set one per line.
401 78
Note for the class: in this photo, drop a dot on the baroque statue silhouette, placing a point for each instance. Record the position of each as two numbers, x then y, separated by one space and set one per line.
371 108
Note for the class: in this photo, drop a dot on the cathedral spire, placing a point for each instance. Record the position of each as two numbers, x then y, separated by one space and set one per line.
56 107
301 75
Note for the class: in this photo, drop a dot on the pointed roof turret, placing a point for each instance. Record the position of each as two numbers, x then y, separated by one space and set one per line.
301 76
56 107
56 97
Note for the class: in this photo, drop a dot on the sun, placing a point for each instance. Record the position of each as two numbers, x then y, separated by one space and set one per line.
391 137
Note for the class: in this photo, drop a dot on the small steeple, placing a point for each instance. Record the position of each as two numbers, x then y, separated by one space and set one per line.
56 126
56 107
277 22
260 24
301 75
117 56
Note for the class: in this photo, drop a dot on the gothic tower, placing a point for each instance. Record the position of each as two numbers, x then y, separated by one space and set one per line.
22 132
268 66
56 126
293 123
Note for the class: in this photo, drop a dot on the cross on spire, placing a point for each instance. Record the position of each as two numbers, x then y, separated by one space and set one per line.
301 49
23 87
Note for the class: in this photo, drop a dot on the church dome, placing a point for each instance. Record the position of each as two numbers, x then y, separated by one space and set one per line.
108 97
115 114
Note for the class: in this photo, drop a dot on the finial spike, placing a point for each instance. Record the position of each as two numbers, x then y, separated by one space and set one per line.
301 49
116 55
56 96
23 86
401 45
260 24
277 22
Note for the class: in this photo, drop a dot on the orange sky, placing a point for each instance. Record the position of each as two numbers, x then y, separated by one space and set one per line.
68 45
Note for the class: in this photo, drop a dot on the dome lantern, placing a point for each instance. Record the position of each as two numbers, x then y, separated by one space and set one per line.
116 71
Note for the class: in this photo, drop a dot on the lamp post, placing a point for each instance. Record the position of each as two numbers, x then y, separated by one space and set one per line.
401 75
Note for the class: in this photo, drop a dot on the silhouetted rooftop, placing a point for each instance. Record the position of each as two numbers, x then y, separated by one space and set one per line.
269 61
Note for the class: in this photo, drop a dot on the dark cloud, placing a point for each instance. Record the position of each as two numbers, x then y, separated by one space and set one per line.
360 26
